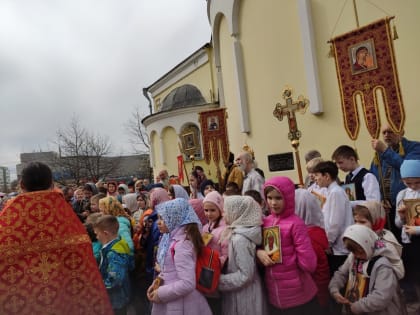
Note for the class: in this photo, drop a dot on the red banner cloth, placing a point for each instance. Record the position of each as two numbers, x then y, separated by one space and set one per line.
214 135
46 263
180 168
366 68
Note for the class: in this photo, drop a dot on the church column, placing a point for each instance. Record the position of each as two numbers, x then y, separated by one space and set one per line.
162 150
221 96
152 161
240 85
309 56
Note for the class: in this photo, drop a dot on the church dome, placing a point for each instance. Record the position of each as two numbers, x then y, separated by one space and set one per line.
184 96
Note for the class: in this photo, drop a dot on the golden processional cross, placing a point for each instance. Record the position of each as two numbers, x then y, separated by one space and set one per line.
289 110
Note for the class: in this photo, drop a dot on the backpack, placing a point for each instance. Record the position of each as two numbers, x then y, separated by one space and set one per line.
207 269
371 263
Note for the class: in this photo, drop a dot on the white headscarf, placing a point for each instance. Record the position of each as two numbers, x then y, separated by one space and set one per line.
130 201
240 211
180 192
308 209
371 244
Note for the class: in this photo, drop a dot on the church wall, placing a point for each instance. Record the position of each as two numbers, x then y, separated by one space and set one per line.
273 57
170 140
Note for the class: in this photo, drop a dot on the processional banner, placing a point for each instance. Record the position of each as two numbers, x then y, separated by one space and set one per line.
214 135
366 70
180 160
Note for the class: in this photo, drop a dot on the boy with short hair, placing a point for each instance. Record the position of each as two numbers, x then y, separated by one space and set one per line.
337 212
116 262
366 184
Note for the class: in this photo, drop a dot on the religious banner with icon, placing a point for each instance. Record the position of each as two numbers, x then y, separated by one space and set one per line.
180 160
366 70
214 134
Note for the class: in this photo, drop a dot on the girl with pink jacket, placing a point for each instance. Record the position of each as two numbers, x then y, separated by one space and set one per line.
290 287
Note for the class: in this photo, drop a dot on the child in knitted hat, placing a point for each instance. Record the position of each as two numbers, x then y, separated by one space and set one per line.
241 285
213 210
410 233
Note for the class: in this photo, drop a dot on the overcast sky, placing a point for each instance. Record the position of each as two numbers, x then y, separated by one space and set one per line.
88 58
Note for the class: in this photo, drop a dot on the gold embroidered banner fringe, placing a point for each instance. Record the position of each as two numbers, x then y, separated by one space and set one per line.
366 69
214 135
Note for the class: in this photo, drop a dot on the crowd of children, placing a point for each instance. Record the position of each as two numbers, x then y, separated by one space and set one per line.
282 250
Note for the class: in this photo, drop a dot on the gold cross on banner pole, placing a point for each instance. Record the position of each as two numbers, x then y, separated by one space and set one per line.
289 110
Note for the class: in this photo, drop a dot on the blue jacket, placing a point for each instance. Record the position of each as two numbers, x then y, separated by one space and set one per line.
116 262
392 158
125 231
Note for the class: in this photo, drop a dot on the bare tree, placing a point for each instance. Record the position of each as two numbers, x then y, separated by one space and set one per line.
82 156
98 164
70 142
137 132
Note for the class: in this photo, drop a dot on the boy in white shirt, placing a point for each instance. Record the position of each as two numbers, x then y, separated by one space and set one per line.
337 212
366 184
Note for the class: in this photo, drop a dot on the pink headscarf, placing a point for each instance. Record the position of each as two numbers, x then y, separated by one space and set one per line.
157 196
198 207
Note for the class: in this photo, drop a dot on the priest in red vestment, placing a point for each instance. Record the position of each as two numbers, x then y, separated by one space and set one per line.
46 260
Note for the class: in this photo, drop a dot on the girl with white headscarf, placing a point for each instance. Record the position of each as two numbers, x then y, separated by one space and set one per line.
241 285
372 285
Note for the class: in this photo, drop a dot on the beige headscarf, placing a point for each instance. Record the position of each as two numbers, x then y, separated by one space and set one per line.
240 211
372 245
377 213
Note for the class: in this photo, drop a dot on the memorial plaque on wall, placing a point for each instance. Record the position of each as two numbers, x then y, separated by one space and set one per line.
281 162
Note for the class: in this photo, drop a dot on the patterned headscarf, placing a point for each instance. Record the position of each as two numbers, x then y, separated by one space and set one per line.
240 211
307 208
175 213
